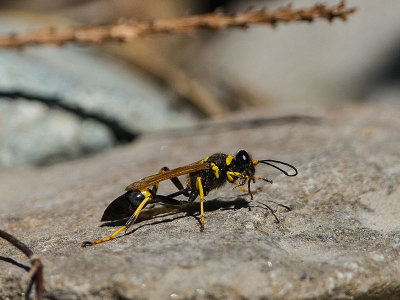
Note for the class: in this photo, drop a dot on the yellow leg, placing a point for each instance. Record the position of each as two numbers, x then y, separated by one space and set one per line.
131 220
240 187
231 175
201 193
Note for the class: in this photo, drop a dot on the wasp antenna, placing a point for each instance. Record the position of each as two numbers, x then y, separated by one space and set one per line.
269 162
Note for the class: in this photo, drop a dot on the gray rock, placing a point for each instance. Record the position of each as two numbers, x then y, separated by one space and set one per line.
78 77
37 136
341 240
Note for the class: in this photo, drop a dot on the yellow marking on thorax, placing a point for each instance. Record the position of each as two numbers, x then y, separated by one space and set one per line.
215 168
229 160
205 159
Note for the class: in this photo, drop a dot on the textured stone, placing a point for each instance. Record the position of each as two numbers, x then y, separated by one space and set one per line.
340 240
82 78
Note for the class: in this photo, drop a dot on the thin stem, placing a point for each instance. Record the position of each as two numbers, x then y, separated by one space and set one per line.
131 30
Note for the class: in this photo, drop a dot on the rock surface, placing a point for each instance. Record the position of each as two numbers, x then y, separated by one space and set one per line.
341 240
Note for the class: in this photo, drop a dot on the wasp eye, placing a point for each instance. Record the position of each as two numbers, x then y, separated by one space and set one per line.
243 157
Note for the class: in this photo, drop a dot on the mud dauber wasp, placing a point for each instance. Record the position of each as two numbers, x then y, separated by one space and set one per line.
204 175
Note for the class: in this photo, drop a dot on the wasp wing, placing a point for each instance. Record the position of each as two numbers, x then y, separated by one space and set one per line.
154 179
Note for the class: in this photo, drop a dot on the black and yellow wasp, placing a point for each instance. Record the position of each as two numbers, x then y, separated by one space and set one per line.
204 176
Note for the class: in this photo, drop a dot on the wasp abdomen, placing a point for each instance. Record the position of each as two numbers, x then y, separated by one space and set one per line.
123 206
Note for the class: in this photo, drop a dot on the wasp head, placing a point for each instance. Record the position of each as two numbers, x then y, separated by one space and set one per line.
245 164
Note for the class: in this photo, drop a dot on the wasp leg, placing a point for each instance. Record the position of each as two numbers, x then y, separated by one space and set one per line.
184 192
230 175
199 187
175 180
132 219
240 187
169 200
193 195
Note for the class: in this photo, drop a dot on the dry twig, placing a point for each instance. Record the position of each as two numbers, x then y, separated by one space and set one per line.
36 272
215 21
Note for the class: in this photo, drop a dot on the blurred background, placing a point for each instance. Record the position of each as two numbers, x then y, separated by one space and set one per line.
94 98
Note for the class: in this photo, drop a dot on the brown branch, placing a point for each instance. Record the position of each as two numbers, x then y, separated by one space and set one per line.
36 272
215 21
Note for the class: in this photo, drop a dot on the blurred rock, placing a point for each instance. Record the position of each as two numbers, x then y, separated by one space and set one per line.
341 240
36 135
32 133
303 64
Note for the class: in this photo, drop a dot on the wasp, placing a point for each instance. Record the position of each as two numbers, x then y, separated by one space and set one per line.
203 176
